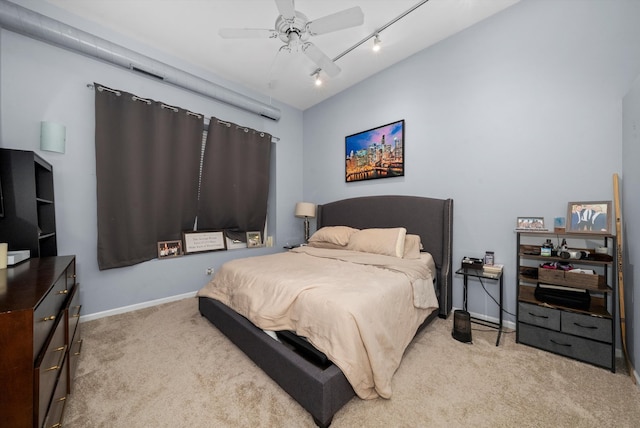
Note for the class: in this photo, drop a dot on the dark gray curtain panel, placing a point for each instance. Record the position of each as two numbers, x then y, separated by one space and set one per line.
235 179
147 170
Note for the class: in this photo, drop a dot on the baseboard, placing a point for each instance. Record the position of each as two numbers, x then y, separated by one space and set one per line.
125 309
505 324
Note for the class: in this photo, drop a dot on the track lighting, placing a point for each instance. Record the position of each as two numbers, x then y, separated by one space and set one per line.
376 43
375 35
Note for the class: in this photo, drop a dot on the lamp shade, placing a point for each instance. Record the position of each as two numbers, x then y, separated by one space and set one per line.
52 137
305 209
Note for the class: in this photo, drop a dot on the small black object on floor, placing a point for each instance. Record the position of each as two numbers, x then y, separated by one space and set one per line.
461 326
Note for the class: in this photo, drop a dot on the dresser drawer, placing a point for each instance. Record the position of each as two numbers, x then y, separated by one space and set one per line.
48 369
72 312
579 348
47 312
71 274
587 326
58 401
539 315
75 349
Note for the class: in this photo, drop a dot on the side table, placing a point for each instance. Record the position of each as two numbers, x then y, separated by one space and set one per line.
481 275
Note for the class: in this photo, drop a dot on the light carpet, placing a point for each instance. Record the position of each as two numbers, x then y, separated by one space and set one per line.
167 366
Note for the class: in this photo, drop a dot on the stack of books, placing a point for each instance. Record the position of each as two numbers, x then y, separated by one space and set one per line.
493 270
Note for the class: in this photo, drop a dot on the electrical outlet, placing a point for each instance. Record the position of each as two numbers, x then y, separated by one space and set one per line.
210 271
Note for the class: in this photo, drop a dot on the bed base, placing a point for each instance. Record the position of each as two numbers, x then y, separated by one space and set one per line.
320 391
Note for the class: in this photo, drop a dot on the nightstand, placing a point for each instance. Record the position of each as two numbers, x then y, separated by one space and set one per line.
480 275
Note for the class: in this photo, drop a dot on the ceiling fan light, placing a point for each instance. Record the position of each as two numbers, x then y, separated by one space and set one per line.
376 43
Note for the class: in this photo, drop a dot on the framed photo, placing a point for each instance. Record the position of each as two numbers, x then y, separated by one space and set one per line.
530 224
254 239
589 217
375 153
559 224
204 240
167 249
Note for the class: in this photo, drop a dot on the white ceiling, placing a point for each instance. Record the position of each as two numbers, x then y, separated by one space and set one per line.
188 29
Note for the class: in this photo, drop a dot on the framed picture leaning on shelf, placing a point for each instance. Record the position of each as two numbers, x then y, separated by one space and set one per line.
169 249
254 239
530 223
589 217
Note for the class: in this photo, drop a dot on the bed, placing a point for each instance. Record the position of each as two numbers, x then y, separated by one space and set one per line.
319 386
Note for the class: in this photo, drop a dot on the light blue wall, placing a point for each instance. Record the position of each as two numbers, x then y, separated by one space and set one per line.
42 82
631 214
515 116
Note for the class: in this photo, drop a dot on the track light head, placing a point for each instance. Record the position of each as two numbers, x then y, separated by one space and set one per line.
376 43
317 80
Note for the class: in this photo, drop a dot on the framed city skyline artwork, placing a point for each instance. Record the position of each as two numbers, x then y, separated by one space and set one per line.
375 153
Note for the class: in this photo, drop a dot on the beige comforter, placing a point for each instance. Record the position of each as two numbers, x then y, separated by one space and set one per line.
360 309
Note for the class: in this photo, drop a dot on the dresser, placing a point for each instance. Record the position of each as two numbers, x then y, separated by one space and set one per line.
40 340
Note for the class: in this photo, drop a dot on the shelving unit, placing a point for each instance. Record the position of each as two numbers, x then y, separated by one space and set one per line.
29 221
586 334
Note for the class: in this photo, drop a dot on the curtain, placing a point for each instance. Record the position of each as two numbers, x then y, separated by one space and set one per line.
147 170
235 179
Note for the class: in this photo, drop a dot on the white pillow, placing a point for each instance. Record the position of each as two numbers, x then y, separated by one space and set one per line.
388 242
332 236
412 247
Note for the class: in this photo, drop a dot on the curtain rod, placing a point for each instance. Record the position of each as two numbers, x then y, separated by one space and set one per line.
206 121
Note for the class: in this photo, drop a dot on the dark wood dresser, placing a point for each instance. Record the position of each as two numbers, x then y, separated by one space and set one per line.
40 340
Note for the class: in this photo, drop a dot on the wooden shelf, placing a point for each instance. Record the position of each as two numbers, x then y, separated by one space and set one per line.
27 184
597 307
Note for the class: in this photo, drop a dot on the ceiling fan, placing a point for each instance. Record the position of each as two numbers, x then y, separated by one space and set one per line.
294 28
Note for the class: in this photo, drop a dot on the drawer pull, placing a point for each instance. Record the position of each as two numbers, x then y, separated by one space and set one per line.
58 366
63 400
538 316
51 318
561 344
81 342
590 327
77 314
65 291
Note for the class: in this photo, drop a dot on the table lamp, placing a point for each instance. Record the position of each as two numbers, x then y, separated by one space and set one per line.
306 210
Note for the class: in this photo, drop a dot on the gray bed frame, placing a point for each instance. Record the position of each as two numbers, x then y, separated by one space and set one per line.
323 390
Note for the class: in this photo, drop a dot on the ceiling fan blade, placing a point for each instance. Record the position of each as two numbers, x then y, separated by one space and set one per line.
286 8
323 61
336 21
247 33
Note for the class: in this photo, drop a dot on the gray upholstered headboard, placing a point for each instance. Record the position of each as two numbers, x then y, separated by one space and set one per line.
430 218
